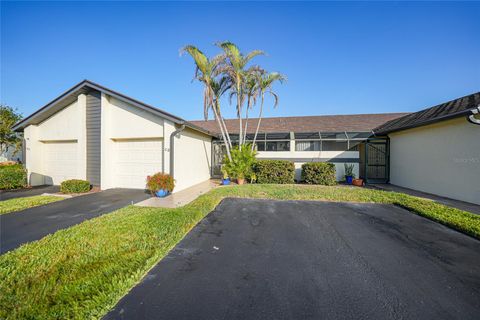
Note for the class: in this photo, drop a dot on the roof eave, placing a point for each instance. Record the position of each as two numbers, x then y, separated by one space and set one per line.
424 123
22 124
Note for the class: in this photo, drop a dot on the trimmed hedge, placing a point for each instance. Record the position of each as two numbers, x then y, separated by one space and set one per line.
319 173
274 171
12 177
75 186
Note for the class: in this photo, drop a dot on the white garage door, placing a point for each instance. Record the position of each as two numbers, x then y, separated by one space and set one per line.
60 161
135 160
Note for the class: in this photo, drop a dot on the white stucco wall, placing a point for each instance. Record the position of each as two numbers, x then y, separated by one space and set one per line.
122 121
193 154
122 124
442 158
65 125
300 157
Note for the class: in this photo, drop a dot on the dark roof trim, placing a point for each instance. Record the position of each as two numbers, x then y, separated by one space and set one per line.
424 123
456 108
87 83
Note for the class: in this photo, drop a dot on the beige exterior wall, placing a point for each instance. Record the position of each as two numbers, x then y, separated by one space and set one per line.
66 125
193 155
442 158
298 157
123 122
123 126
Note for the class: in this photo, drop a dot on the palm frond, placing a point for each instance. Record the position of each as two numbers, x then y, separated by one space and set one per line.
252 55
201 60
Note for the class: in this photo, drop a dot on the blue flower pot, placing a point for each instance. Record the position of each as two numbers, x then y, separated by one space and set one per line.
349 179
161 193
226 182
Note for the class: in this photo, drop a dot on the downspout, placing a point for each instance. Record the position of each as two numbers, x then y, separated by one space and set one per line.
471 118
172 149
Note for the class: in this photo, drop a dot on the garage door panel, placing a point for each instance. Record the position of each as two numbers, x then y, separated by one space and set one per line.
60 161
135 160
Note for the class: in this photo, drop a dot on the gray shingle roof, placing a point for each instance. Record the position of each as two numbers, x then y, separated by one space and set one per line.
448 110
333 123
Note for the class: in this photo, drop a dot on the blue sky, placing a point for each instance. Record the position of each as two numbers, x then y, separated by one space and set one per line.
340 58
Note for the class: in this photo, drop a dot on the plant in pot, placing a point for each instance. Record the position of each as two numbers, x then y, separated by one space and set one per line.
357 182
160 184
349 175
240 166
225 179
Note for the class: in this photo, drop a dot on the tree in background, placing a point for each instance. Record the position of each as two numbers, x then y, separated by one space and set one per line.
8 138
206 72
264 84
234 66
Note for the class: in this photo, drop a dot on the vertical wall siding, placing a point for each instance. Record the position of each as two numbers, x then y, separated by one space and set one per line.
94 122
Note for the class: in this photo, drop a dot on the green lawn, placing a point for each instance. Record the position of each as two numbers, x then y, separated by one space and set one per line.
7 206
81 272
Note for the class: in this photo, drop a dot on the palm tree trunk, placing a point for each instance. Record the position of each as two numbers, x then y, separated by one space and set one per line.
239 110
258 124
246 122
227 146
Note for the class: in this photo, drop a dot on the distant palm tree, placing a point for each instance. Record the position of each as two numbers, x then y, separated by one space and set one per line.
234 67
251 91
265 83
205 72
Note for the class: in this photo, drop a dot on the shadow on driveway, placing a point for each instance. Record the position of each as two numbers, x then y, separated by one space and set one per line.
33 224
34 191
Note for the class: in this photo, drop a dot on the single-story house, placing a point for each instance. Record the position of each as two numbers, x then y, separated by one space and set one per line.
114 141
94 133
437 150
333 138
11 154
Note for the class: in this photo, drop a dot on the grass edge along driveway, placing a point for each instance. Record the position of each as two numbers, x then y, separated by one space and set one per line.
17 204
83 271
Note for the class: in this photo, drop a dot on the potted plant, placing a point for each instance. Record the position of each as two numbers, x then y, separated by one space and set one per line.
357 182
226 179
349 175
160 184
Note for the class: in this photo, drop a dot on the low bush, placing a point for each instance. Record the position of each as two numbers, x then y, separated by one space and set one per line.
274 171
75 186
160 181
12 177
241 164
319 173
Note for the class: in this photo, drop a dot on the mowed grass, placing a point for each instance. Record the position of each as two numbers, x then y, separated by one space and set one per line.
81 272
12 205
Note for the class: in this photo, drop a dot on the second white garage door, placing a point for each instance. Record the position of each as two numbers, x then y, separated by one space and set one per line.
135 160
60 161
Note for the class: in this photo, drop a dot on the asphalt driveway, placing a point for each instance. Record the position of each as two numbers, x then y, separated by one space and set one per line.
34 223
34 191
258 259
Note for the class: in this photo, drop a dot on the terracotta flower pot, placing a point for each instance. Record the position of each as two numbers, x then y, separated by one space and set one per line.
241 180
357 182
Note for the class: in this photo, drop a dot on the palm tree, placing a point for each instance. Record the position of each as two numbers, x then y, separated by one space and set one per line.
265 86
234 67
252 92
205 72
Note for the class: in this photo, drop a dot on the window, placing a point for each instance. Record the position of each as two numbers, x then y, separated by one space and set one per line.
278 146
334 145
307 145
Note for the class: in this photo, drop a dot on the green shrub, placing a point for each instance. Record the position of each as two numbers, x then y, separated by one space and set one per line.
160 181
12 177
274 171
241 165
319 173
75 186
